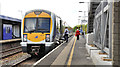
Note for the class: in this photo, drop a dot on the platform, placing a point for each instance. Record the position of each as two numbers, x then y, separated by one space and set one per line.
69 54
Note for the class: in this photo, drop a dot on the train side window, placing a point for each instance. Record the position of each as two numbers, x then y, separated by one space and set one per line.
7 29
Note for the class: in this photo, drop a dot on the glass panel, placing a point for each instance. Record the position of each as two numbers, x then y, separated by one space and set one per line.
7 29
43 25
37 25
30 24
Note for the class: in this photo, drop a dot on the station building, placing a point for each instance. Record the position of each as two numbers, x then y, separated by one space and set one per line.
104 33
10 35
10 28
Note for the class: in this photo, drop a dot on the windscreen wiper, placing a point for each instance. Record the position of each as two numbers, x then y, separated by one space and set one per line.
32 30
27 28
41 29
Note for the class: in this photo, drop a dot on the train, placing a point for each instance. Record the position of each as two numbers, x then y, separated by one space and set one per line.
41 28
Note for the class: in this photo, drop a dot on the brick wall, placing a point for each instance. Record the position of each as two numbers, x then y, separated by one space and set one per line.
116 34
0 29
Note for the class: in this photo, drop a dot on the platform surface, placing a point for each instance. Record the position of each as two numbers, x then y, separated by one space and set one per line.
69 54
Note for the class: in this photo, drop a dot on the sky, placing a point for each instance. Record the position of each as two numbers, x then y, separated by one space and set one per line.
68 10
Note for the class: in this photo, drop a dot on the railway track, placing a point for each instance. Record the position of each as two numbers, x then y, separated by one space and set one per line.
10 47
30 61
14 59
11 53
33 59
8 52
14 56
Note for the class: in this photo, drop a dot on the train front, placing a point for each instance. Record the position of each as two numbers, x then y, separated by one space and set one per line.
36 31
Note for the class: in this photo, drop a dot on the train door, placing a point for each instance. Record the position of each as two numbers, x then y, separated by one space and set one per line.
58 28
7 31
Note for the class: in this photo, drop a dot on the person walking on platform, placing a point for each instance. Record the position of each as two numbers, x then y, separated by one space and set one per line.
77 34
81 30
83 34
66 32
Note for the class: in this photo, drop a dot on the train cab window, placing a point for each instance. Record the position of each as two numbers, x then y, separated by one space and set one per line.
43 25
30 24
37 25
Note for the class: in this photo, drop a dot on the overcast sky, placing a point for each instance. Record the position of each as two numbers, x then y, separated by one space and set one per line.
66 9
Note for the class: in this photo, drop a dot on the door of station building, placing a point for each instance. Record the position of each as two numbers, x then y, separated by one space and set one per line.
7 31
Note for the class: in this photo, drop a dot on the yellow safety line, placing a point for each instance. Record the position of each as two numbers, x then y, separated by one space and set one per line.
71 55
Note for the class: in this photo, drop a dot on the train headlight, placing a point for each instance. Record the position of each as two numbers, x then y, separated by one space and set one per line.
37 12
25 38
47 38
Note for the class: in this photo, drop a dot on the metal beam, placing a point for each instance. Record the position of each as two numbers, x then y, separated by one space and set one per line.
110 28
100 26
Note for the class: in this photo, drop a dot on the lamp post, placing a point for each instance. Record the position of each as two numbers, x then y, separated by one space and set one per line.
21 13
64 23
79 20
82 22
86 3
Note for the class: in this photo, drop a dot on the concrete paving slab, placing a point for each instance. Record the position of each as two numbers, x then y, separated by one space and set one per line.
80 55
70 54
61 59
47 61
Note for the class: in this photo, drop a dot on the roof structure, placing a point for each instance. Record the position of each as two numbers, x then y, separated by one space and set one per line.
9 18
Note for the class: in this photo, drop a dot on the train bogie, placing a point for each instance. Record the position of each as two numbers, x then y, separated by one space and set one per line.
35 49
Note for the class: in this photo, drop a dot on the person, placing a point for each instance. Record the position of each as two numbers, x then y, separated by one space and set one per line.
83 34
66 32
81 30
77 34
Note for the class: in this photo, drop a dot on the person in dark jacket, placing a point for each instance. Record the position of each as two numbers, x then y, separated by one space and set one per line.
66 32
77 34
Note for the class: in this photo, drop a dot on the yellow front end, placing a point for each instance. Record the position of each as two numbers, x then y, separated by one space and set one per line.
32 36
35 39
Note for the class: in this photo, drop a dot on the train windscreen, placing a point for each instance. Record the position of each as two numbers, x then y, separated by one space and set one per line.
37 25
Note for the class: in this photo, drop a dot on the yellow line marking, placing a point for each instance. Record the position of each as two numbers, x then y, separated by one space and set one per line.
71 55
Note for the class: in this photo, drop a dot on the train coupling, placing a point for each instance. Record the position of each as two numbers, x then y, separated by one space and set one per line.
35 49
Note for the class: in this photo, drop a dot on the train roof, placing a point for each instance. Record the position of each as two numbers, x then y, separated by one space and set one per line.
9 18
41 10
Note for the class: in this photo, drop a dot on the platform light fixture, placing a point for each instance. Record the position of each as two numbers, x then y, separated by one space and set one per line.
81 2
80 11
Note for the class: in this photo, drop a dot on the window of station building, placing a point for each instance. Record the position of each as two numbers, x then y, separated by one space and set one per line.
7 29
